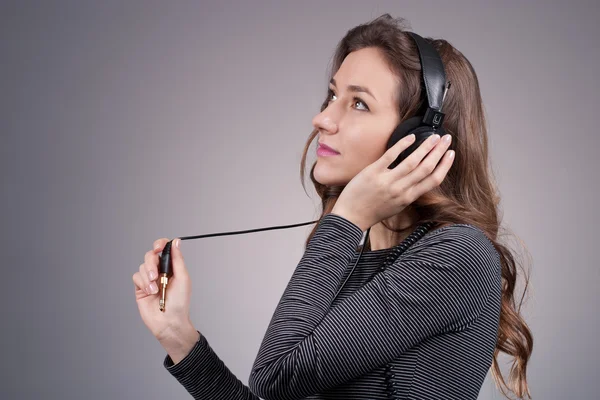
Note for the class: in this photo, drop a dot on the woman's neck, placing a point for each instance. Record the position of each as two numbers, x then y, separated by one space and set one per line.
381 237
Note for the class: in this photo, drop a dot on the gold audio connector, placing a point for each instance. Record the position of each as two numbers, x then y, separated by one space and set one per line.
163 291
164 271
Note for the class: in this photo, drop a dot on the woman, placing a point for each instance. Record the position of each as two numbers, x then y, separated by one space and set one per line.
428 325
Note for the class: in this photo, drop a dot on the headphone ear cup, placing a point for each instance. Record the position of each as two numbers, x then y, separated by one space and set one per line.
421 134
403 130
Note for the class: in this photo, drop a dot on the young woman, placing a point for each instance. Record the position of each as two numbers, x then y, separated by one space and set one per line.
430 303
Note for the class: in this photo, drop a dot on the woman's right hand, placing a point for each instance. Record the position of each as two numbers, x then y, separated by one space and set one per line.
168 326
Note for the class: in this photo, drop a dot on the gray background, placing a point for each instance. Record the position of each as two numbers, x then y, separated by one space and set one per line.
124 122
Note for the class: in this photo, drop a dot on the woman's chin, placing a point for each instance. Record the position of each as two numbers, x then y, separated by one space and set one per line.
329 179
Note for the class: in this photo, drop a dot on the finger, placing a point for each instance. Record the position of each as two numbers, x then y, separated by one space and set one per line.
429 164
177 259
151 265
414 159
392 153
138 282
146 285
436 178
159 244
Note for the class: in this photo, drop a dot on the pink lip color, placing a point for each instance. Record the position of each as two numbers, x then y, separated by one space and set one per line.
322 151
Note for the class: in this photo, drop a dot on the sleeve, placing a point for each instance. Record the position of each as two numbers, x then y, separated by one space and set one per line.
205 376
310 346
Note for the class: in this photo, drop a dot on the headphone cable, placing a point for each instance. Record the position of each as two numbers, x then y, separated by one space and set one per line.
165 270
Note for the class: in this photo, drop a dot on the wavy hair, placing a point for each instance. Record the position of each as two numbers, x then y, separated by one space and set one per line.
468 194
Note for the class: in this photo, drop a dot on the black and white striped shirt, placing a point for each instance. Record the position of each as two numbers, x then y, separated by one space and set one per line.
423 328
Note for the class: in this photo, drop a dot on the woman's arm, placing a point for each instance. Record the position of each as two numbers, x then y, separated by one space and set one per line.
440 284
205 376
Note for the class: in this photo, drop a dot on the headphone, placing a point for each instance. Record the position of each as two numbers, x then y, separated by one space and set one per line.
430 122
423 125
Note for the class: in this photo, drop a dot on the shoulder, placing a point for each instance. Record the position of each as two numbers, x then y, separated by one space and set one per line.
455 237
462 245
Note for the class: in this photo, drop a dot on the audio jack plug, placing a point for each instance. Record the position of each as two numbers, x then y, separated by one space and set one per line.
165 271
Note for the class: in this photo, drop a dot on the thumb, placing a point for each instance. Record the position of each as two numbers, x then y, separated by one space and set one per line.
177 259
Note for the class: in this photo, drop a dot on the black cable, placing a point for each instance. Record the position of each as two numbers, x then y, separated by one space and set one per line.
247 231
165 270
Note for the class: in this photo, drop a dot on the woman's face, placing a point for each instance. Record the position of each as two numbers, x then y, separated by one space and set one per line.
360 117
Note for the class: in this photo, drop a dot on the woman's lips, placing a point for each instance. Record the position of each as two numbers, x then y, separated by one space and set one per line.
324 150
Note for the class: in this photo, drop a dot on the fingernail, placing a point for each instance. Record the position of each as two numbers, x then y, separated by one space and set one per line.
153 288
436 138
447 138
156 246
451 155
152 275
177 243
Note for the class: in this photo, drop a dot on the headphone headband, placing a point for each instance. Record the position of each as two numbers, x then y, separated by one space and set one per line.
434 78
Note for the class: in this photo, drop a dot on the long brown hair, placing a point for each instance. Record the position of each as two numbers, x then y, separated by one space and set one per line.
467 195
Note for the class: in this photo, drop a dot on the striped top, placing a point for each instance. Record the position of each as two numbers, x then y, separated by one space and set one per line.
425 327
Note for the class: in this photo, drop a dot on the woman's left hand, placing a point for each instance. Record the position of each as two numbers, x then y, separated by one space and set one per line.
377 193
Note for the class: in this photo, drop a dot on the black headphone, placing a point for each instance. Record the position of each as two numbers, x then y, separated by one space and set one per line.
430 122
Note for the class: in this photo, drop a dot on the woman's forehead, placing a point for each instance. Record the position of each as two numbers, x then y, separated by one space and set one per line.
369 69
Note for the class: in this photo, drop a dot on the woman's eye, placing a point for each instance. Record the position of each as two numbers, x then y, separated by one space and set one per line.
330 95
357 100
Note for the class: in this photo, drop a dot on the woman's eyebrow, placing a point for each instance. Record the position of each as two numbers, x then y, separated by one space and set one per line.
355 88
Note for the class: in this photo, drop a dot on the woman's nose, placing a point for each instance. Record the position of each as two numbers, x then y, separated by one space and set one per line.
324 122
